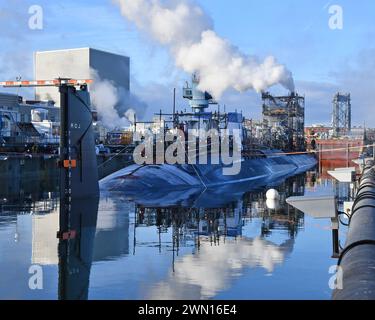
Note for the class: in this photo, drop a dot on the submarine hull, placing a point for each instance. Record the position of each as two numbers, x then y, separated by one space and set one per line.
158 182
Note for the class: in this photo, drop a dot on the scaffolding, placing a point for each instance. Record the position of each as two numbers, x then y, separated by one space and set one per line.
284 121
342 114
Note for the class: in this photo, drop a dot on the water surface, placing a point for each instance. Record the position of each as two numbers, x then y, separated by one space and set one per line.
238 247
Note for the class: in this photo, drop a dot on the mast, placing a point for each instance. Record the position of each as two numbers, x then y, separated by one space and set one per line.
174 108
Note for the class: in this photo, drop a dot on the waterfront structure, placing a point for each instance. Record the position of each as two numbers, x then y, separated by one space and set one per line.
24 121
342 114
284 121
42 115
9 115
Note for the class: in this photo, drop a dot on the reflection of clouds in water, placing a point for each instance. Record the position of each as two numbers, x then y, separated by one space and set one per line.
212 268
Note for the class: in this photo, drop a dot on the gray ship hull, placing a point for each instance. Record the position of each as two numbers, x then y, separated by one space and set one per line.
171 184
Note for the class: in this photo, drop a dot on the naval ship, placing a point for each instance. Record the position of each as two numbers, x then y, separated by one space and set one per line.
259 166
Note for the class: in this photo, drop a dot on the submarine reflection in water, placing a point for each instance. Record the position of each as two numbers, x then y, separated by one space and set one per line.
221 251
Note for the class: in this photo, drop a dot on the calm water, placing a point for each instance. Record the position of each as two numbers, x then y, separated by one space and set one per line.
237 248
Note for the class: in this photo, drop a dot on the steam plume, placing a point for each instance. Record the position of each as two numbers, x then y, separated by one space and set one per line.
116 106
188 32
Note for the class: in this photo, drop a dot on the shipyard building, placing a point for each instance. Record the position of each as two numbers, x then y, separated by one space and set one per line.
79 64
38 120
284 121
26 121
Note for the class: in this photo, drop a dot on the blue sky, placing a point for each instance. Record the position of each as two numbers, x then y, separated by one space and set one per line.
296 32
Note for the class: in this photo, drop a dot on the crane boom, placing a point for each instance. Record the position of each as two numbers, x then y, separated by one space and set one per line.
45 83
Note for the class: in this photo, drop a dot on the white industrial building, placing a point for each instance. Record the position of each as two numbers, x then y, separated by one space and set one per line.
43 114
78 64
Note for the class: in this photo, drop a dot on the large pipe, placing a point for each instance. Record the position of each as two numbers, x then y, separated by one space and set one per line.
357 261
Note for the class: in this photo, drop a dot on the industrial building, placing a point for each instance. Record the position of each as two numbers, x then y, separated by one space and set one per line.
284 121
79 64
38 121
341 141
8 116
21 120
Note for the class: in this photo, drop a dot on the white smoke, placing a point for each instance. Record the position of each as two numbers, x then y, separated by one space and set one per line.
131 115
188 32
116 106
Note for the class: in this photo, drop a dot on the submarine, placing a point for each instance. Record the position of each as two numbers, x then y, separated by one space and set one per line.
257 167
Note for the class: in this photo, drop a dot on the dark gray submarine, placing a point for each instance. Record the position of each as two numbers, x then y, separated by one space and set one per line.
258 167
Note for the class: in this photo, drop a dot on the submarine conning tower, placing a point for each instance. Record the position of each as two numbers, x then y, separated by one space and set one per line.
199 100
